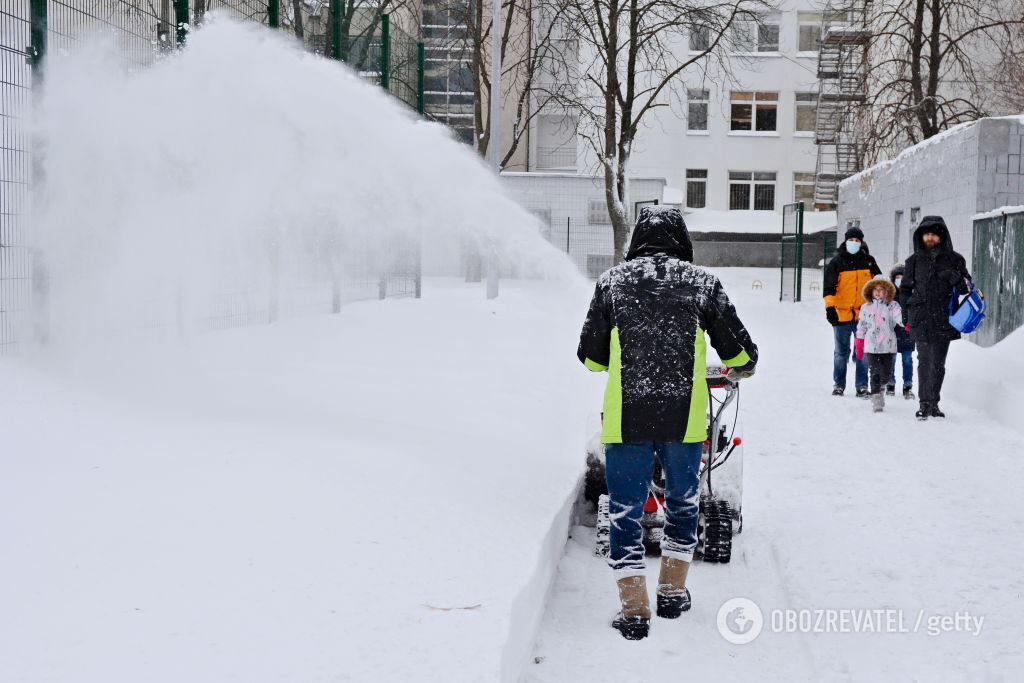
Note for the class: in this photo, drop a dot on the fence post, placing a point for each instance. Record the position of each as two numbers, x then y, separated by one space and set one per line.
420 67
181 21
274 13
385 51
37 37
799 251
335 21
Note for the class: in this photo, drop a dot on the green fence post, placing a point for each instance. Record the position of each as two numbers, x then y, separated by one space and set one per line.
37 36
799 251
335 21
274 13
420 67
385 52
181 20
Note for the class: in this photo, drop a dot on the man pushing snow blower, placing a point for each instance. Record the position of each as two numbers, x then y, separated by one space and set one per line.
646 327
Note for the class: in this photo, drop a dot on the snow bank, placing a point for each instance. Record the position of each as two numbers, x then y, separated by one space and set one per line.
989 379
377 495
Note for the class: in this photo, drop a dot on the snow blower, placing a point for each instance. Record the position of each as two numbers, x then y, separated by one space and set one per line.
721 481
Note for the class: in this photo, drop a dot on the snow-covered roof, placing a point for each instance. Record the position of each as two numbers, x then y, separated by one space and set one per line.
935 139
764 222
997 212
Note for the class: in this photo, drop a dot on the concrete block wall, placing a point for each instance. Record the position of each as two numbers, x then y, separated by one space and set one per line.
972 168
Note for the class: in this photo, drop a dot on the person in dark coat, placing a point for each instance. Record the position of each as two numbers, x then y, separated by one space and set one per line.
845 276
933 273
646 328
904 347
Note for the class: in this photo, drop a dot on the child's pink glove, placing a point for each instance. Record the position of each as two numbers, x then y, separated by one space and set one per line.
858 348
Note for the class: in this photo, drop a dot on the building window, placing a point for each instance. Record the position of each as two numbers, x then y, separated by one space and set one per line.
755 111
803 188
700 39
752 190
697 109
448 73
598 213
556 142
806 111
809 31
696 188
915 216
757 35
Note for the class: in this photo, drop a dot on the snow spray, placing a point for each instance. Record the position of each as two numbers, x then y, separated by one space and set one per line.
240 166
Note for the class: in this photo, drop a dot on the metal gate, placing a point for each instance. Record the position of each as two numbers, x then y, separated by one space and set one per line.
792 245
999 271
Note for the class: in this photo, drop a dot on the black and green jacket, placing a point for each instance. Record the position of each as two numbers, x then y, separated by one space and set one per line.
646 327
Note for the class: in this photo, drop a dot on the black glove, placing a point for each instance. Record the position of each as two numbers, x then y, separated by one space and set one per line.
832 315
951 278
742 372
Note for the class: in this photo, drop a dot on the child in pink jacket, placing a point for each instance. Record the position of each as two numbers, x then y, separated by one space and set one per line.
876 335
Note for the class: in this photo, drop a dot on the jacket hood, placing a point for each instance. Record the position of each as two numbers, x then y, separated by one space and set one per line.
660 230
933 224
897 271
890 290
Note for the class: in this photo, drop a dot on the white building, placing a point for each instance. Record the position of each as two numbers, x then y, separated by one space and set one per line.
745 142
738 141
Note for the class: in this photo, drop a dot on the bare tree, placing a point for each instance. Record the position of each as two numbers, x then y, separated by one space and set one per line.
633 55
1009 74
528 51
931 67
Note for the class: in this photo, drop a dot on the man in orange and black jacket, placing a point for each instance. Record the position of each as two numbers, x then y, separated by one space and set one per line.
845 277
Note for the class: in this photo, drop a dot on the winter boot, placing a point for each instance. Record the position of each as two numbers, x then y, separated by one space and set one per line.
877 402
924 411
890 390
908 393
673 595
936 412
634 621
837 391
863 392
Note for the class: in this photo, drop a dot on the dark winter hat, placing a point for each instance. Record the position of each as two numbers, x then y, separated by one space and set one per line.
660 230
854 232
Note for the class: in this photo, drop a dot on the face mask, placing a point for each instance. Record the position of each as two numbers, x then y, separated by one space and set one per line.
897 281
852 247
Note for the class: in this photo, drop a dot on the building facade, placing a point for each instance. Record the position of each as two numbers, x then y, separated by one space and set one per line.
973 168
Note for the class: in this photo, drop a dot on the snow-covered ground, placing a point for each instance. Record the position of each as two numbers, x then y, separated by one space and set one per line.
842 509
384 495
377 495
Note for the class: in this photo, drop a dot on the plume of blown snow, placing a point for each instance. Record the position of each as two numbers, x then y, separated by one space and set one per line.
239 167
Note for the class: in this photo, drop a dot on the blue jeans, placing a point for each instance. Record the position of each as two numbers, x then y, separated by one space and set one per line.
843 332
908 369
628 471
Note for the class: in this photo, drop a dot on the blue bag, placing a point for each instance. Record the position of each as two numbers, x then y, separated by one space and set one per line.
967 314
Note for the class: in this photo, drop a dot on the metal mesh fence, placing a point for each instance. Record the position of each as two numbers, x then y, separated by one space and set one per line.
15 167
248 10
142 29
133 24
573 213
999 271
792 245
